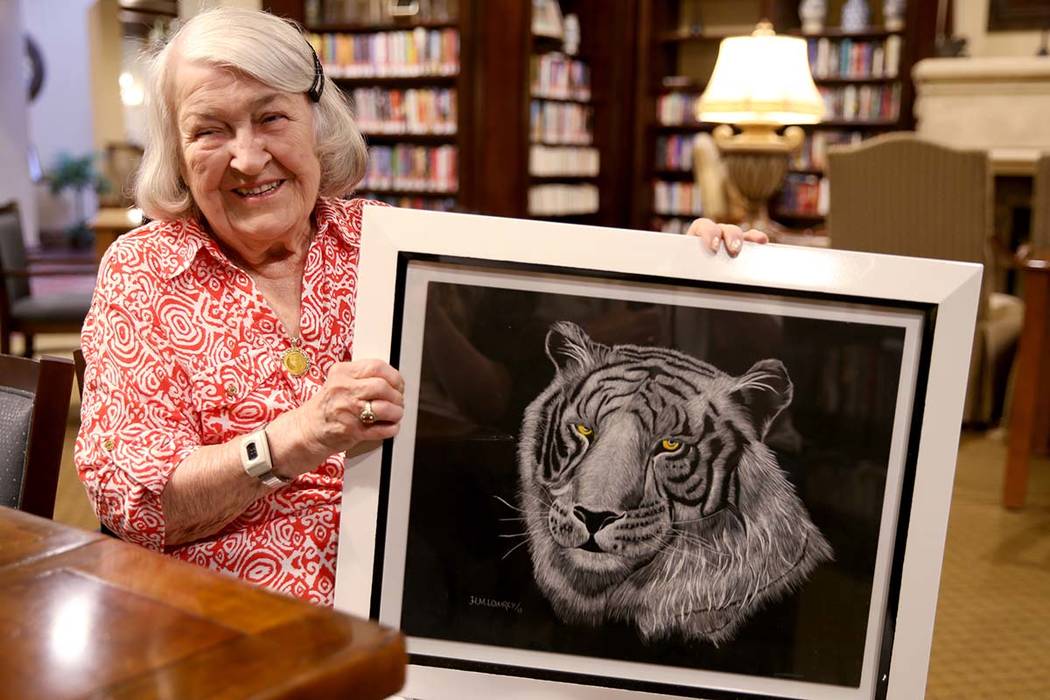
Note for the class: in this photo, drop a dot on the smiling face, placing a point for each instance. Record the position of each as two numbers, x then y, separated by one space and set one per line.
248 156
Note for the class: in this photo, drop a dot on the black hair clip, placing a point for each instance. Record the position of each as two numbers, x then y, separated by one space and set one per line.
317 86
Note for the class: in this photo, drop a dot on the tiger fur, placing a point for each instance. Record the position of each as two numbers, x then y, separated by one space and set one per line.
649 496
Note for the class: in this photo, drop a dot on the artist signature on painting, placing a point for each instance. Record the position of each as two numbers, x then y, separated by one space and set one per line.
506 605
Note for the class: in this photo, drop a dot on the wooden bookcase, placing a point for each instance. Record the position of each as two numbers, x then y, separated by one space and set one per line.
677 47
494 98
316 19
502 98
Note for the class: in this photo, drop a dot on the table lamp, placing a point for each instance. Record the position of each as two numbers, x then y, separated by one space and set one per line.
760 84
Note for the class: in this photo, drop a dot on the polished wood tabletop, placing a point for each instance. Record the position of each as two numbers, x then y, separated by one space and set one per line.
85 615
1030 407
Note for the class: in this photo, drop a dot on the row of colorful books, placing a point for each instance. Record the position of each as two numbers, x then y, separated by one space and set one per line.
560 123
413 111
676 199
846 58
814 152
557 76
412 202
551 161
416 168
805 195
375 12
389 54
562 200
674 152
676 108
862 102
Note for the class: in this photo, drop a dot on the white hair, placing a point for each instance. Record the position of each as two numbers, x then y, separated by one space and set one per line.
269 49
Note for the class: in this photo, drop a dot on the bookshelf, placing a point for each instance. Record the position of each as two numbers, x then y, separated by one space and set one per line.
863 76
404 76
532 130
551 120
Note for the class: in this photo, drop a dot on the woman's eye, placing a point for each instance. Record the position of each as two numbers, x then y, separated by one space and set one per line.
583 430
668 445
271 118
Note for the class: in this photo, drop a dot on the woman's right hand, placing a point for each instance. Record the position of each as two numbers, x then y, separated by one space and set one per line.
330 421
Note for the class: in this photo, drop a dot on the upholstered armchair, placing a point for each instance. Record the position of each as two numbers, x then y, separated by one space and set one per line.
902 195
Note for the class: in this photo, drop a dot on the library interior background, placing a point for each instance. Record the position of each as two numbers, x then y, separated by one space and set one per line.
607 113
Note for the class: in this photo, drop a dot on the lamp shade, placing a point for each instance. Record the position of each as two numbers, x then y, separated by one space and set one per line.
761 79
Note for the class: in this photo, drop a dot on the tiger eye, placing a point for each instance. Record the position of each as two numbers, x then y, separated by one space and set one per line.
670 445
583 430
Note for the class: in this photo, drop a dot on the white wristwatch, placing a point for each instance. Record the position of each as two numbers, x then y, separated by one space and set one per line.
255 458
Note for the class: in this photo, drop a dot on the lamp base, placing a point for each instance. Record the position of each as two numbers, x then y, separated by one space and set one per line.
756 161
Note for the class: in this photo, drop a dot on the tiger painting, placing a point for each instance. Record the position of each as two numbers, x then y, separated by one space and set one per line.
649 495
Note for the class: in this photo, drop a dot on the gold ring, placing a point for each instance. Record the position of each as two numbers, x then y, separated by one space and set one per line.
368 416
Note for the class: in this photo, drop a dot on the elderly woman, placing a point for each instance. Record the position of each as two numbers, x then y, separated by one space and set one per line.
221 390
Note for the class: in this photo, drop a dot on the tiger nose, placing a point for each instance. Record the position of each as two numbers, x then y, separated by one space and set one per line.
595 520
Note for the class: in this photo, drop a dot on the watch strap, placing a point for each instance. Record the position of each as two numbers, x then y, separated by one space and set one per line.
255 459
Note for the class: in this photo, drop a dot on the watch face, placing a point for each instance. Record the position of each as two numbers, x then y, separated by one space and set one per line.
32 68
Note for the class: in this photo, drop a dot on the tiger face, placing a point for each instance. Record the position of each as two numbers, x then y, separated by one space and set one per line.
649 495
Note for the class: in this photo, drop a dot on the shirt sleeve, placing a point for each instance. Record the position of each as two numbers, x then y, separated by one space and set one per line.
136 422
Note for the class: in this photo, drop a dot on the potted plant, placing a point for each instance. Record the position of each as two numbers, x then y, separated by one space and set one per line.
77 173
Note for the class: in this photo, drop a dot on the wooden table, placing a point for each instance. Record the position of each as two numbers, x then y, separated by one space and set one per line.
82 614
109 223
1030 402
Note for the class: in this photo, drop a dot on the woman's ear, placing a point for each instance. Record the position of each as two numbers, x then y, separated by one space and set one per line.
764 391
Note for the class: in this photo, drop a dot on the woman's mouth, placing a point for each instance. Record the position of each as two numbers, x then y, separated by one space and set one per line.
260 191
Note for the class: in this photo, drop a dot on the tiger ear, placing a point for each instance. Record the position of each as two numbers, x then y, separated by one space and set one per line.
569 347
764 390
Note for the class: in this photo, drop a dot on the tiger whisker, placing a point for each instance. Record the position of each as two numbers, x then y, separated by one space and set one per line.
504 502
516 534
511 550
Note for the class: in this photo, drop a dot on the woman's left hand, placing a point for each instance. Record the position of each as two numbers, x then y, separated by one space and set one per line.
714 235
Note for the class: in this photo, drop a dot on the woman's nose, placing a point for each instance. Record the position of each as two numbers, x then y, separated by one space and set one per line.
249 154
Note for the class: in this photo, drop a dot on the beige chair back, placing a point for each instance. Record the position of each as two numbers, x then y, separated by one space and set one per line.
1041 204
902 195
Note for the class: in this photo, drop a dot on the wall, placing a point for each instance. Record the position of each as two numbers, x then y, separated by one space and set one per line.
106 49
188 8
971 21
60 120
14 131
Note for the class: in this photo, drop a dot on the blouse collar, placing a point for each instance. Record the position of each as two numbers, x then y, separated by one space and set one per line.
188 238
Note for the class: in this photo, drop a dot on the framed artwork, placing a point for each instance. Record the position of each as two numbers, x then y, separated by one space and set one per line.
1015 15
631 468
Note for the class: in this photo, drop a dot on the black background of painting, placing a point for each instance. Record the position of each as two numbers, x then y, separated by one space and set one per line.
455 571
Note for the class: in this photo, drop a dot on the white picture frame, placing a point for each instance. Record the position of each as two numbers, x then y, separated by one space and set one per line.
404 250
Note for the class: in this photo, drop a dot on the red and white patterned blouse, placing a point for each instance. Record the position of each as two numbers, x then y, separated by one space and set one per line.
182 351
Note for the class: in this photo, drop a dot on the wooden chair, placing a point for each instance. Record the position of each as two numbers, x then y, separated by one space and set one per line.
1039 243
902 195
34 404
119 164
1040 239
80 365
22 311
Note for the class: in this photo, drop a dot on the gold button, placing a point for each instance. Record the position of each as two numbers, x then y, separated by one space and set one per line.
109 444
231 390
